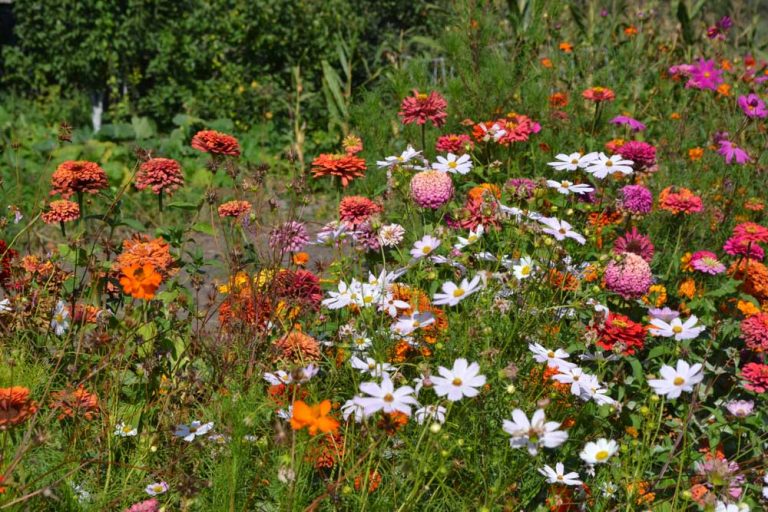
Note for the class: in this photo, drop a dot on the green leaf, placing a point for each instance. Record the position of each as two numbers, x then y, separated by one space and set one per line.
203 227
181 205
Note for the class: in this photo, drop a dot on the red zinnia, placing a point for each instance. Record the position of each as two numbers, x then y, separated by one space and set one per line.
216 143
755 376
161 175
598 94
347 167
78 176
680 200
620 334
421 108
355 210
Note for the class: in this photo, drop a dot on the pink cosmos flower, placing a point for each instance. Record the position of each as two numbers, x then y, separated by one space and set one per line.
730 151
705 75
633 124
752 106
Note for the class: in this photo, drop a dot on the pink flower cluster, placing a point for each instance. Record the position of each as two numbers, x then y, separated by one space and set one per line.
630 276
706 262
746 239
431 189
754 332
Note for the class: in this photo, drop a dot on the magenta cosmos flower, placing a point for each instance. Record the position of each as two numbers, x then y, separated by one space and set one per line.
732 152
705 75
753 106
633 124
706 262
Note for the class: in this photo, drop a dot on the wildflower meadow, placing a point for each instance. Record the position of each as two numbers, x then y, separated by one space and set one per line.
464 255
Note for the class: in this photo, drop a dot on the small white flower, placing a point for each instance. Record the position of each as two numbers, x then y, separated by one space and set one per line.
405 325
340 299
605 165
462 380
453 294
576 377
535 433
599 452
390 235
5 306
721 506
573 161
384 397
495 132
566 187
676 380
60 320
554 358
370 366
424 246
194 429
687 330
473 237
353 407
454 164
559 476
156 488
560 229
402 159
361 342
524 268
430 412
123 430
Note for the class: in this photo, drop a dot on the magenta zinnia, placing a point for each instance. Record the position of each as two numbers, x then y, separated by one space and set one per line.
422 107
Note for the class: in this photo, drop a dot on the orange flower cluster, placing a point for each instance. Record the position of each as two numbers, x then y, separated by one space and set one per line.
235 209
374 480
78 176
313 417
78 402
346 166
15 406
298 347
140 282
160 175
754 277
140 250
419 301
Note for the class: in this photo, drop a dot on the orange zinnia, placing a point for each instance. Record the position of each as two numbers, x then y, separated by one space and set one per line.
140 282
15 406
313 416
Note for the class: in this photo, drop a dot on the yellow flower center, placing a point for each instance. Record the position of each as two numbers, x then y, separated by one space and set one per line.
426 249
550 354
565 184
456 381
609 163
388 398
679 381
601 455
458 292
452 165
677 329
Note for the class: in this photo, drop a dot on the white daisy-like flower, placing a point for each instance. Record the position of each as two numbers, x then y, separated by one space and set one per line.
156 488
425 246
604 165
384 397
599 452
193 430
401 159
60 320
370 366
474 236
340 299
573 161
554 358
353 408
463 380
676 328
405 325
524 268
676 380
123 430
454 164
430 412
566 187
560 229
559 476
534 433
453 294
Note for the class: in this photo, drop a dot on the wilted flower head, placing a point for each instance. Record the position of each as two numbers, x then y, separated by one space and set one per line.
216 143
740 408
15 406
422 107
75 403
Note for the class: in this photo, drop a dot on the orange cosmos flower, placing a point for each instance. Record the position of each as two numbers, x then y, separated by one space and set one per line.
315 417
724 90
695 154
566 47
630 31
547 63
140 282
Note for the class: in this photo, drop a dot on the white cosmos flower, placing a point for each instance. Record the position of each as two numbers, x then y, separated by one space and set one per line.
405 325
60 320
5 306
367 296
722 506
605 165
339 299
560 229
361 342
156 488
535 433
454 164
123 430
567 187
384 397
676 380
599 452
554 358
430 412
194 429
495 132
559 476
687 330
573 161
473 237
370 366
405 157
424 246
576 377
524 268
391 305
353 407
460 381
453 294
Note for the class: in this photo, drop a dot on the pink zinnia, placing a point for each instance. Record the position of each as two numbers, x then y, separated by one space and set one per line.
633 124
732 152
741 246
630 276
754 332
753 106
707 263
150 505
161 175
421 108
636 199
755 377
456 144
642 154
431 189
705 75
636 243
751 231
